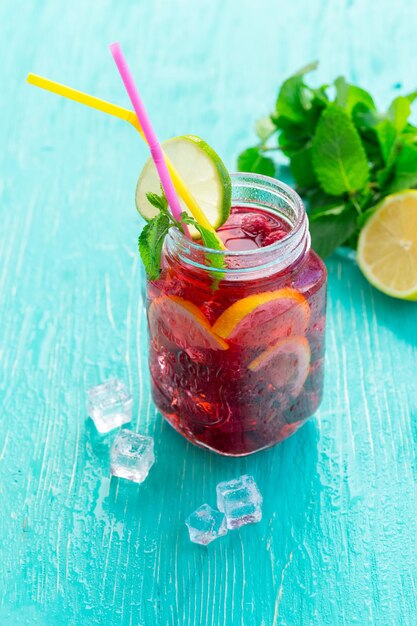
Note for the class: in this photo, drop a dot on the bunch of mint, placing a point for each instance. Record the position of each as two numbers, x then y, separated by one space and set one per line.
152 237
345 156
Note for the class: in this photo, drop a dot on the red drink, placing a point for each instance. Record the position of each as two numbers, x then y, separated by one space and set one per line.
236 354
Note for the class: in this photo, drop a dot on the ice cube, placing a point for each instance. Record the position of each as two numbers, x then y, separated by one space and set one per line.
206 524
109 405
131 456
240 500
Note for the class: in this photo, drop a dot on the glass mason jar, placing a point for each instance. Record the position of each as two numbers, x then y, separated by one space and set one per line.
237 337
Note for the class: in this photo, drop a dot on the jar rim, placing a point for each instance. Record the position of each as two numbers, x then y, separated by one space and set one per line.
254 190
263 181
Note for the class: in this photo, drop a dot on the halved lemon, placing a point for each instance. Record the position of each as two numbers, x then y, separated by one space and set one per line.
183 323
387 247
202 171
286 364
260 319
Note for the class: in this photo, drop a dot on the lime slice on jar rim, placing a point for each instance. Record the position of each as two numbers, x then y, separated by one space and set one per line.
202 171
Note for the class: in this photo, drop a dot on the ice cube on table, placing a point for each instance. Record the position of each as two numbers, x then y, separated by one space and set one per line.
109 405
206 524
240 500
131 456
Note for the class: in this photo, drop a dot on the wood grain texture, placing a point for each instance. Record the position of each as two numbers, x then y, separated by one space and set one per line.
337 542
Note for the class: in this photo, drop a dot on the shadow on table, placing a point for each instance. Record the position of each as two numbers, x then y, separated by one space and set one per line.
184 477
286 474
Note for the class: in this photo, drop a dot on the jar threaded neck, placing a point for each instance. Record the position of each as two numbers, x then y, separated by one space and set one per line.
262 193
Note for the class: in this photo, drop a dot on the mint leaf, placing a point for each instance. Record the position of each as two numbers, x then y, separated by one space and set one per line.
399 112
364 118
292 138
348 96
320 96
384 176
405 174
208 238
338 157
302 169
159 202
386 135
411 96
296 131
150 244
316 198
379 138
209 241
364 217
293 98
334 208
328 232
265 128
409 133
252 160
306 69
289 102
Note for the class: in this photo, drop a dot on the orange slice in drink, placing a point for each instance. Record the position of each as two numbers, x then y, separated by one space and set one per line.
258 320
286 364
183 323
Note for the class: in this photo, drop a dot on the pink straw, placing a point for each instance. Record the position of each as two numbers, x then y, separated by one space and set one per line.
148 131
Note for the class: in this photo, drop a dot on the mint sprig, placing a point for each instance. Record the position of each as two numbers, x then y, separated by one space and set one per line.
151 241
159 201
153 234
345 156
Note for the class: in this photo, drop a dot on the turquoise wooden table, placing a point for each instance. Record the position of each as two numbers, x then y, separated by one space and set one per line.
337 541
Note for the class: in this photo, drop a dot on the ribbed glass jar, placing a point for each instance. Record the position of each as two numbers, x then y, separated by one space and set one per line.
237 346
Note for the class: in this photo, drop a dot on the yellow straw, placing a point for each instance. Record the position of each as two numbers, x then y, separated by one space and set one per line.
128 116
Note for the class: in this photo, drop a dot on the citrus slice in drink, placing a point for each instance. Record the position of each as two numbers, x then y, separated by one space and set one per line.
260 319
387 247
202 171
182 323
285 364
